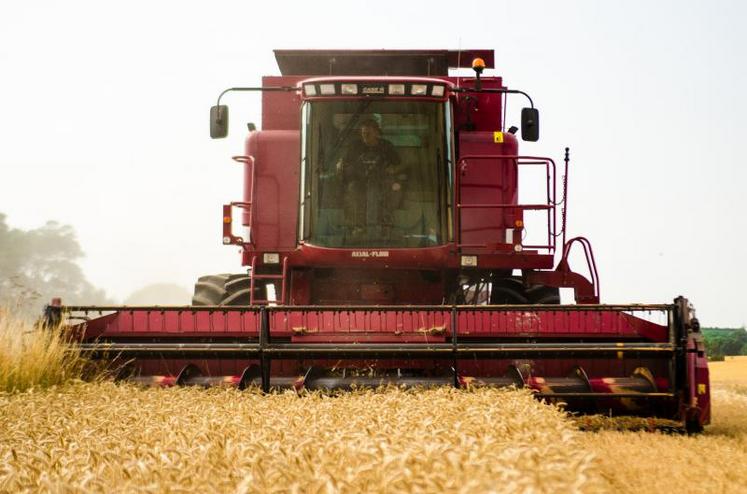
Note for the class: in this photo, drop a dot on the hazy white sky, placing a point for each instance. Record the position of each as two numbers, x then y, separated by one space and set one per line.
104 125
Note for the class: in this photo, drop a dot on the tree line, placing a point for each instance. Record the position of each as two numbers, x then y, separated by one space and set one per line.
39 264
721 342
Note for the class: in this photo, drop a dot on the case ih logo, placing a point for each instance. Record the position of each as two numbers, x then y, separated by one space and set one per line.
370 253
372 90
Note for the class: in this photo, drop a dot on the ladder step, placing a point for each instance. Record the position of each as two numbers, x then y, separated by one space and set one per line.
268 276
257 276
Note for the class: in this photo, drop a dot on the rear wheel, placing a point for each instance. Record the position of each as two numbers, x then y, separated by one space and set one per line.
238 290
210 289
541 294
223 289
512 291
507 291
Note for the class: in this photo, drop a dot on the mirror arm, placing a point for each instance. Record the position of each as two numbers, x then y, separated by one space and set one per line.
499 91
269 88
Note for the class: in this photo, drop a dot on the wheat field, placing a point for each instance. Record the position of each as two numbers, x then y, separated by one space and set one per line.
66 435
714 461
32 356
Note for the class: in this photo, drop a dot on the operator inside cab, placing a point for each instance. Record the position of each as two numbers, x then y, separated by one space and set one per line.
375 173
373 178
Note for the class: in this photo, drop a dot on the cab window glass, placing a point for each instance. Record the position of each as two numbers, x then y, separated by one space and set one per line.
375 174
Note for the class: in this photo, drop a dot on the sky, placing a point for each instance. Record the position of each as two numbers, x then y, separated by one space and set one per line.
104 125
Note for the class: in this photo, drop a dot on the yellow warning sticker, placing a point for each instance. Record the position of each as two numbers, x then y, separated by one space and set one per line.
701 389
498 137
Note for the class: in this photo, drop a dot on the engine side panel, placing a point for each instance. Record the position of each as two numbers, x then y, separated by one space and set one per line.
489 181
277 157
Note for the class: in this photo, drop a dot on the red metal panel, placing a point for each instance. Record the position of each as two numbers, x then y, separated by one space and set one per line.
531 322
361 325
489 116
698 392
277 160
432 257
280 109
416 324
550 323
173 323
493 182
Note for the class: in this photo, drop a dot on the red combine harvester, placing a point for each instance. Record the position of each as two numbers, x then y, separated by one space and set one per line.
385 241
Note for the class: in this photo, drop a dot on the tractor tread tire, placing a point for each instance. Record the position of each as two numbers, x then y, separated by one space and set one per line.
513 291
545 295
201 301
210 289
508 291
238 283
223 289
240 297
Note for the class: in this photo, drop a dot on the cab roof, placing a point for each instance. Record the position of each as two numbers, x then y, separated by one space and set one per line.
377 62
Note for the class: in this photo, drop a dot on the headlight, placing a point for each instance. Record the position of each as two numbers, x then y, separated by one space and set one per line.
397 89
271 258
350 89
309 89
327 89
469 261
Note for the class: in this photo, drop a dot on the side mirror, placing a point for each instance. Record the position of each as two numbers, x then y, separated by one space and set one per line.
219 121
530 124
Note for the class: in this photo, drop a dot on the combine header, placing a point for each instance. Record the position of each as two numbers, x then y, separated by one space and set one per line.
385 242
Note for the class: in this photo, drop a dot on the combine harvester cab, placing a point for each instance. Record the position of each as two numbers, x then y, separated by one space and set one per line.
384 242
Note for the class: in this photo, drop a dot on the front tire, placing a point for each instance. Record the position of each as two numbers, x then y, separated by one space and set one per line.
511 291
223 289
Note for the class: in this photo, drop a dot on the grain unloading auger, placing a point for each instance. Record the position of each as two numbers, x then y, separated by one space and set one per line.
384 243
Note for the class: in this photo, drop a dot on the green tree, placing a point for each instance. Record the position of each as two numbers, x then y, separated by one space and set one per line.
37 265
725 341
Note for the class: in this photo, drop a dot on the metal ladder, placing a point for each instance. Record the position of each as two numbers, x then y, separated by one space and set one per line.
254 276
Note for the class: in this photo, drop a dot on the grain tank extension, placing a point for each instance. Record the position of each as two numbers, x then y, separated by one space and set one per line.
391 231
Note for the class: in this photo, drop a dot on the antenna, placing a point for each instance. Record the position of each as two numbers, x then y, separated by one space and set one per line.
459 58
